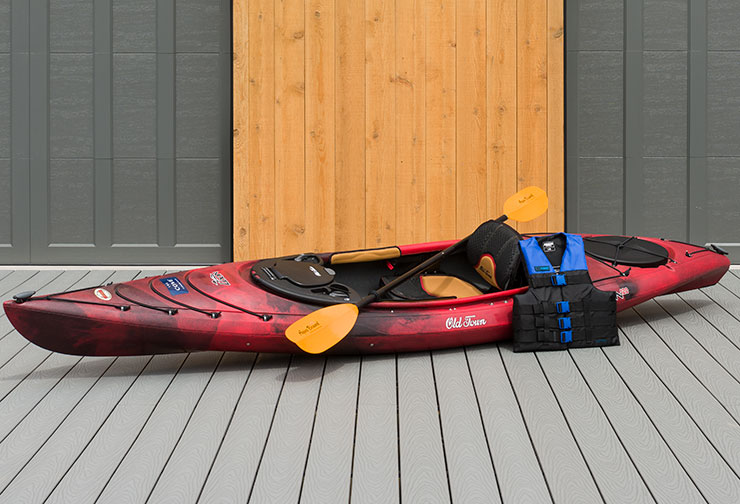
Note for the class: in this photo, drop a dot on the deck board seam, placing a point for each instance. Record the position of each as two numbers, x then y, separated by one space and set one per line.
710 322
441 429
269 430
681 404
184 427
41 398
609 421
60 423
354 434
398 431
313 427
226 430
143 426
652 422
99 427
698 341
483 425
667 344
524 421
570 429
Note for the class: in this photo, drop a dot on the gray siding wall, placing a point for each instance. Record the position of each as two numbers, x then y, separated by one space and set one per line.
115 128
653 119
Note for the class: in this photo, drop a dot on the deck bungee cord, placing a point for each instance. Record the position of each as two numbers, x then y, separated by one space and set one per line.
265 317
212 314
24 297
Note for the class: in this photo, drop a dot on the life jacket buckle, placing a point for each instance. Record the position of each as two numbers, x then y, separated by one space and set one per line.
566 336
563 307
564 323
558 280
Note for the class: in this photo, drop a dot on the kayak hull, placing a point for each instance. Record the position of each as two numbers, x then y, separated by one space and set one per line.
212 306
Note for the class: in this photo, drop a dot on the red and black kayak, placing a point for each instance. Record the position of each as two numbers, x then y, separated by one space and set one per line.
247 306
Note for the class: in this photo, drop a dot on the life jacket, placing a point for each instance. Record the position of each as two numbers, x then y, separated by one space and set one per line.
562 308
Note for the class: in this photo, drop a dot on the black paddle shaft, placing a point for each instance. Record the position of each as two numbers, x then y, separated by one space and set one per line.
375 295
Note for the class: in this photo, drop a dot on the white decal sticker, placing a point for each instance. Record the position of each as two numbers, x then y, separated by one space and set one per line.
461 322
103 294
623 293
218 279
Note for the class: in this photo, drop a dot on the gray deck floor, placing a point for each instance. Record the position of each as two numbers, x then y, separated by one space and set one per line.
656 419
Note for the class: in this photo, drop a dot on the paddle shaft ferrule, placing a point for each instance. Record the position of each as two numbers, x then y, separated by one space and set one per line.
375 295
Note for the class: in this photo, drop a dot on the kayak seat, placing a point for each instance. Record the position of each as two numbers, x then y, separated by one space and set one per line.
493 250
432 286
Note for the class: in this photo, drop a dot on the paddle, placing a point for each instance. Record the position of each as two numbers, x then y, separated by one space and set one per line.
322 329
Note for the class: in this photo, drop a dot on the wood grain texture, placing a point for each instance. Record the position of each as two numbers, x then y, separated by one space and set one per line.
532 84
699 384
610 465
137 473
41 473
472 196
290 107
240 121
88 475
422 461
470 469
36 428
706 467
705 333
329 465
233 471
517 469
187 468
410 121
719 316
660 469
501 103
441 106
421 118
697 357
350 126
280 472
553 441
380 123
320 124
555 115
261 129
375 464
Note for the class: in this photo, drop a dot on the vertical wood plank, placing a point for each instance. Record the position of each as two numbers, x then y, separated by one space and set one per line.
410 119
380 217
441 201
261 131
350 125
532 100
290 201
501 103
555 116
320 132
240 120
417 120
471 115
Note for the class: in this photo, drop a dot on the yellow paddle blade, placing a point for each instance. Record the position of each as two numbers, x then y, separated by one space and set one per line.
527 204
320 330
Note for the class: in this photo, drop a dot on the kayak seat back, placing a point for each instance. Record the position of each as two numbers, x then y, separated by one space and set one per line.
493 250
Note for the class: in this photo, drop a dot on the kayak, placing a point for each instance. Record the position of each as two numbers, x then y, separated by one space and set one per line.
247 306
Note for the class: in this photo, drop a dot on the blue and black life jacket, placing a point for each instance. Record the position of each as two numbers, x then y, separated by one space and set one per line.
562 308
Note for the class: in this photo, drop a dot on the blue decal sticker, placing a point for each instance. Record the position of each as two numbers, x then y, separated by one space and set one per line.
174 285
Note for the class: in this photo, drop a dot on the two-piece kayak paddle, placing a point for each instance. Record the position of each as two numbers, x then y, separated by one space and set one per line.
322 329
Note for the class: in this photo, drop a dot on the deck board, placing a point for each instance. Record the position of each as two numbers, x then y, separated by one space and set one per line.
656 419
